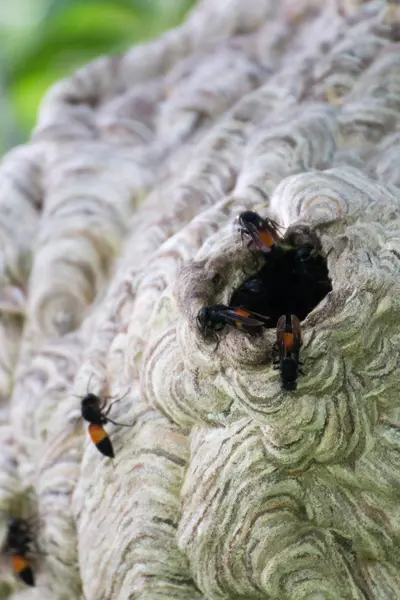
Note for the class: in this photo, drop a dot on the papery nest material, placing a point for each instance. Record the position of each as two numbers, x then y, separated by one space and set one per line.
117 224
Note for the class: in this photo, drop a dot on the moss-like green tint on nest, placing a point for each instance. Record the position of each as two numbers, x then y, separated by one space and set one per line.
227 486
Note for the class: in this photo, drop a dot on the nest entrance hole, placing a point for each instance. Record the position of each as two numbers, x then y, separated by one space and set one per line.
292 281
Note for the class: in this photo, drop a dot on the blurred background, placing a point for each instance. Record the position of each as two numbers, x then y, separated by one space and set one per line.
42 41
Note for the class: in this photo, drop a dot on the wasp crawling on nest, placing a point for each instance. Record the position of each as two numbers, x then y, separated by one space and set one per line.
212 319
94 411
19 548
288 342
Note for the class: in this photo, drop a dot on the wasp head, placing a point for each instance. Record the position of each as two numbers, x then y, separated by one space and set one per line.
90 408
18 533
90 400
249 217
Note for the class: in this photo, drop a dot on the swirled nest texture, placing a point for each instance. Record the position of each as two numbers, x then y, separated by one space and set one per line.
117 225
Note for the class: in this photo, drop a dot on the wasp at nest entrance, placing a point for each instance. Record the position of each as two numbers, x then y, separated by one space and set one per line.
294 278
292 281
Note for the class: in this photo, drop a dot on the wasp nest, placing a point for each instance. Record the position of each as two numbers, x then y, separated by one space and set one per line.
117 225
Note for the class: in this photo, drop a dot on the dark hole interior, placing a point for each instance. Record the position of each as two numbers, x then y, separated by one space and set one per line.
291 281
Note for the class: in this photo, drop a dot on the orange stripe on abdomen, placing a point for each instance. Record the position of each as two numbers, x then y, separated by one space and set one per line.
101 440
19 563
242 312
288 341
267 238
97 433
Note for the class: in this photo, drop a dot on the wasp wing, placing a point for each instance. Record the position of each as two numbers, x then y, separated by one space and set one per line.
256 236
251 229
280 328
275 228
296 330
241 316
264 318
291 346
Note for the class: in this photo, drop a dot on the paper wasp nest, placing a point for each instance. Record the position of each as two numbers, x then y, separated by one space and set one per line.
117 226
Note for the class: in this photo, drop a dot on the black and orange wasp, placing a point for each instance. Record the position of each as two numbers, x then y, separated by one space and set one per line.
288 343
18 545
93 410
212 319
264 233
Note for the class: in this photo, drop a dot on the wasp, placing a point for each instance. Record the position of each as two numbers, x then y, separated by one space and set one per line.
19 545
214 318
92 410
288 334
311 264
263 233
254 295
310 260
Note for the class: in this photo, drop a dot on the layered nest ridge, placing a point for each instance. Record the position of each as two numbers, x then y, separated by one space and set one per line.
118 224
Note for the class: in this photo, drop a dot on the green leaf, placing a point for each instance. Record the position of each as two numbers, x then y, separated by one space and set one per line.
68 34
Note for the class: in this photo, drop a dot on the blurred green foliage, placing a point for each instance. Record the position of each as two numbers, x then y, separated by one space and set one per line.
42 41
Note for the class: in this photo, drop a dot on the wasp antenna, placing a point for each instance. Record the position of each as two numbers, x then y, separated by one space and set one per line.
88 383
118 399
38 550
87 388
112 404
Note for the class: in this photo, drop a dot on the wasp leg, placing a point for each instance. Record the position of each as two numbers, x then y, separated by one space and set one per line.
218 341
112 403
34 545
88 383
38 550
121 424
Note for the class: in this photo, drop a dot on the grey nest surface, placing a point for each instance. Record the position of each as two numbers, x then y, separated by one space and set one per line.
117 225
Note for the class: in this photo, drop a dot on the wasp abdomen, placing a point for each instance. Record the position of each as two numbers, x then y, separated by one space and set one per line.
23 569
101 440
